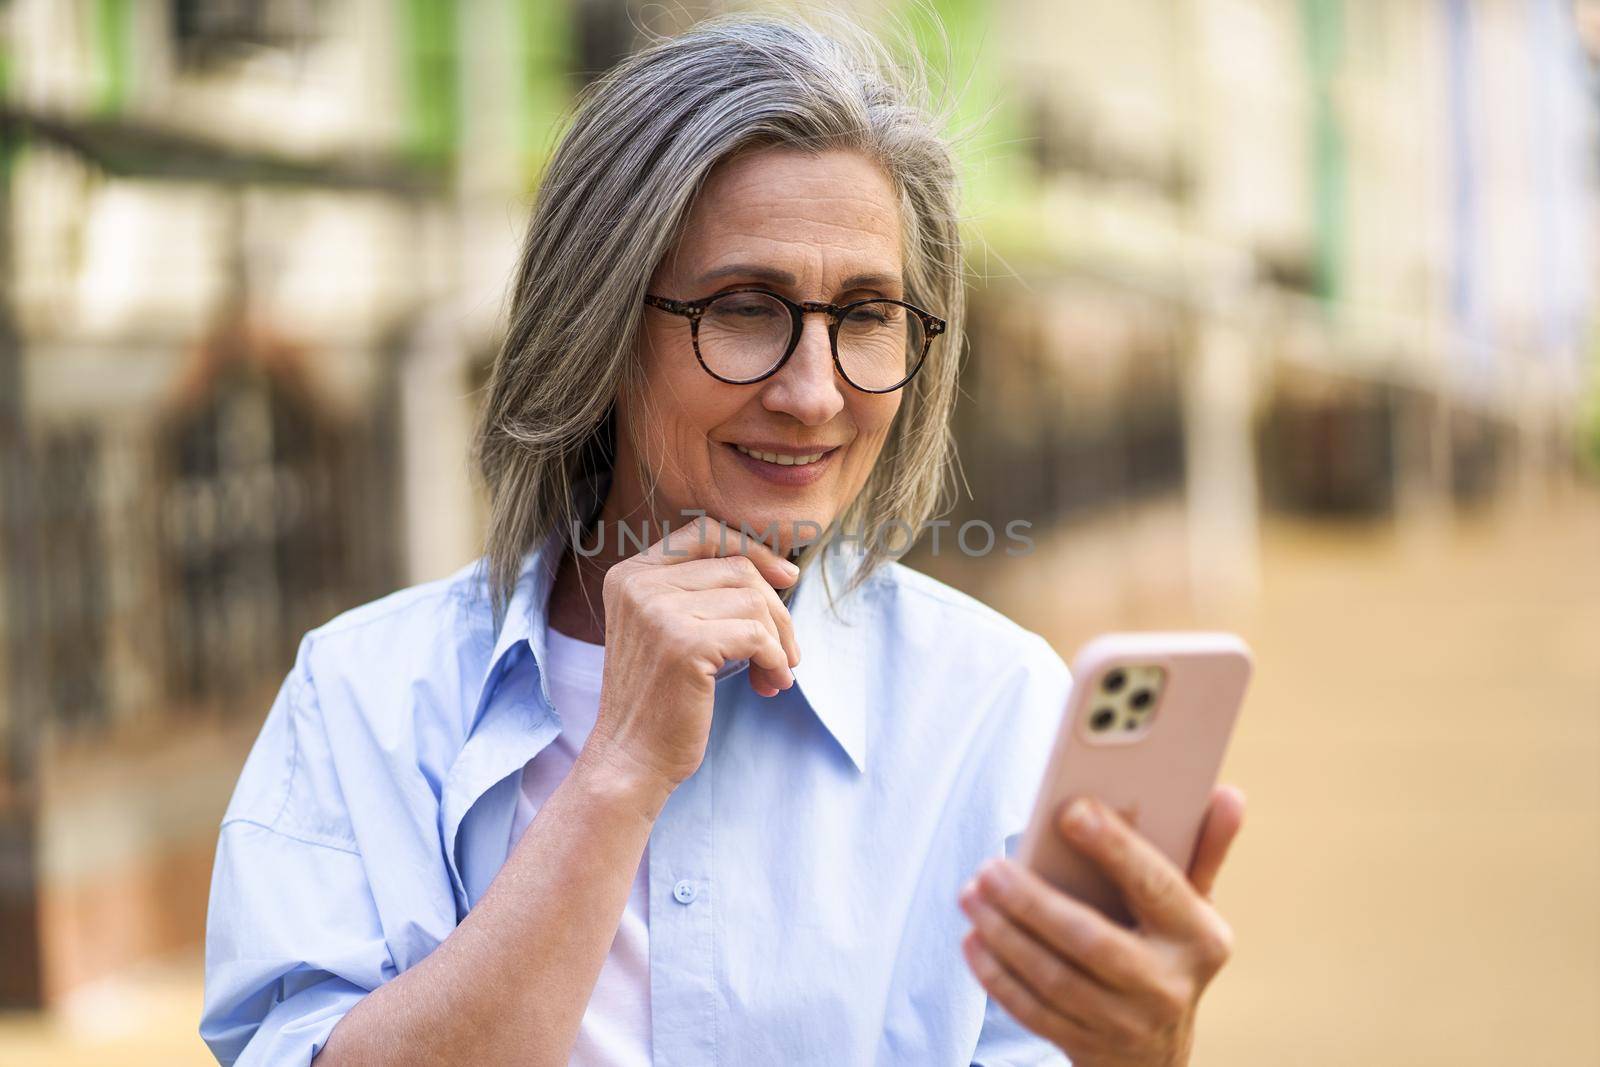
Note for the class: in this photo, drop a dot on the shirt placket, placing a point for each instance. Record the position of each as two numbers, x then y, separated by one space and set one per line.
684 989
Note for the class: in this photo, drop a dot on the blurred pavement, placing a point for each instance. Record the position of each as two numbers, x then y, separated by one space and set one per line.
1418 880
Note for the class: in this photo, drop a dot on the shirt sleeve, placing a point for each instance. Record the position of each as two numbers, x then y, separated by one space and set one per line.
293 935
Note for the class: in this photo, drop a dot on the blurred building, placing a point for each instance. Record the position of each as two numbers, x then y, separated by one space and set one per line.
1334 254
1328 255
244 289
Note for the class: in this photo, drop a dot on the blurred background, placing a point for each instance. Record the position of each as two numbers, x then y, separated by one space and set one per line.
1283 320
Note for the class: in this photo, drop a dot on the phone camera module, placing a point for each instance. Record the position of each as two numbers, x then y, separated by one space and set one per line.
1114 681
1102 719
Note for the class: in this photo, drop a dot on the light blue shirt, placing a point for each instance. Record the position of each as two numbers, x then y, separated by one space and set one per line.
803 881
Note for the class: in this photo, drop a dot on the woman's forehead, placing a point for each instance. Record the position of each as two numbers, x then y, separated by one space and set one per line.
794 212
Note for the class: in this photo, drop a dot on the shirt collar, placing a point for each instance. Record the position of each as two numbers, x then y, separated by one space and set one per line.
831 678
833 672
526 620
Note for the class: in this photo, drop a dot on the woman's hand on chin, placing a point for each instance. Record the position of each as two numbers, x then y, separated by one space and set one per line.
1106 995
700 597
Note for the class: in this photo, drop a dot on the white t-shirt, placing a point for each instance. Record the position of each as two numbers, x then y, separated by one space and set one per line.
615 1031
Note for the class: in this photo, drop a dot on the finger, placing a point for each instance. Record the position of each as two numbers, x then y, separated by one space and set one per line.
1016 998
750 639
1074 930
783 621
749 598
707 538
1224 818
1055 981
766 683
731 602
1156 892
756 602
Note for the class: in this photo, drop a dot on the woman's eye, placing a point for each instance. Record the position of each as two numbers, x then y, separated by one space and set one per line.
745 308
864 317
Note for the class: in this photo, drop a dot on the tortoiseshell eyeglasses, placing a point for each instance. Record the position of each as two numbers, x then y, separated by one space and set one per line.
745 335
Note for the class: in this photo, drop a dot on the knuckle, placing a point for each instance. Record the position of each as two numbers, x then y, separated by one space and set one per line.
990 925
1110 956
616 579
1123 1031
1215 946
1154 885
1023 906
1171 1001
652 609
1058 982
1029 1011
1087 938
659 618
986 968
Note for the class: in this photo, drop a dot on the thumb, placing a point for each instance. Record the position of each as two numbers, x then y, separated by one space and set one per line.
1224 817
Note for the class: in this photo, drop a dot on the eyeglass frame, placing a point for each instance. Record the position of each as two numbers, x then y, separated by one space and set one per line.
694 310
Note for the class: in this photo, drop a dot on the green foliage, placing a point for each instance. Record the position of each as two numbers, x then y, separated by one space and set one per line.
113 43
433 54
1589 416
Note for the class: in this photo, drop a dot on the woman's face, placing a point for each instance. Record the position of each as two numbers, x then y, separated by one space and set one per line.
810 227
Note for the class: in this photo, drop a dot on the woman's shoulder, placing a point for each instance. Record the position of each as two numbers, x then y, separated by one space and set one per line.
376 693
424 647
457 602
933 616
978 682
963 658
410 630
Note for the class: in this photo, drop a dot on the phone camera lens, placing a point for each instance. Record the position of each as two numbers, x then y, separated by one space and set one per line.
1102 719
1141 699
1114 681
1131 724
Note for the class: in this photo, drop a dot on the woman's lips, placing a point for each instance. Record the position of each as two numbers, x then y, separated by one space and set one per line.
785 474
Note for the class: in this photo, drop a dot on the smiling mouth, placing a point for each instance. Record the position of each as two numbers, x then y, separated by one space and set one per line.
782 459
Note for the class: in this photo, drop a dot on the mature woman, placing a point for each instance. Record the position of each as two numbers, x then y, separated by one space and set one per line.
639 789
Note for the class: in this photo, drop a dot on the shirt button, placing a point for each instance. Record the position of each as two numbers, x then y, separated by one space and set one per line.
684 892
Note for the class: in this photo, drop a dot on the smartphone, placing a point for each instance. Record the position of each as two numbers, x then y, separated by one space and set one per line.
1145 728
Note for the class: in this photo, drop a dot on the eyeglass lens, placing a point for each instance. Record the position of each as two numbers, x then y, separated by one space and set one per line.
744 335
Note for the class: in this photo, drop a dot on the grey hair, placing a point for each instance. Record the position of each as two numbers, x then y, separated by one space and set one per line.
612 200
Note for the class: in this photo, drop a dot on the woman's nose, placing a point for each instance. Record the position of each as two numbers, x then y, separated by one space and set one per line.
807 387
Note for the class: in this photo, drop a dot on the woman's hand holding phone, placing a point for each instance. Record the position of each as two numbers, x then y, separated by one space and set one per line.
1106 994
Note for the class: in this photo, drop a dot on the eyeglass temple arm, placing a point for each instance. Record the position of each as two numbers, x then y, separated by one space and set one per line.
677 307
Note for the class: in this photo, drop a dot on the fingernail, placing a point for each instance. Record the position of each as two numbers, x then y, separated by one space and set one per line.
791 569
1082 819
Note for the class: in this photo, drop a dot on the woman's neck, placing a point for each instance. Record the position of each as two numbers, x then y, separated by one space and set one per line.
577 602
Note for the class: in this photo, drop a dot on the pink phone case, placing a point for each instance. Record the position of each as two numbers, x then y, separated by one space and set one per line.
1156 764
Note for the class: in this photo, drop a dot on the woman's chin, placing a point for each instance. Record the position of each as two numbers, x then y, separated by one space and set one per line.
784 529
